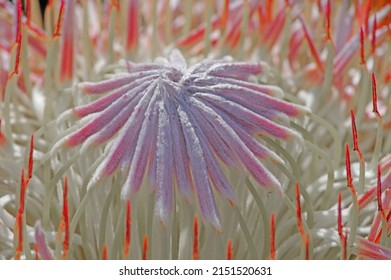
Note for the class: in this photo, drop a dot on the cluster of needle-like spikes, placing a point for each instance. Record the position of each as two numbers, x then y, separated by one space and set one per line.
170 121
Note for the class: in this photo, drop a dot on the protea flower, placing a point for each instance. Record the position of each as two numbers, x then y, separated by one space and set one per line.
113 144
179 122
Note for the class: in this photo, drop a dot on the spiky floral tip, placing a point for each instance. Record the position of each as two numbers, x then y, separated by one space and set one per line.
176 123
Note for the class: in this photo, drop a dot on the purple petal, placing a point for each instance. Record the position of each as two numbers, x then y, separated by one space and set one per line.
181 159
203 189
127 136
257 123
140 156
103 102
262 175
114 83
222 150
265 89
218 144
248 103
164 167
218 178
259 99
104 118
248 140
237 70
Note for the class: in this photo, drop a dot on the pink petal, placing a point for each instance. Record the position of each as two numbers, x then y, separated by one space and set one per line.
257 123
218 144
181 159
164 167
239 70
262 175
259 99
101 103
203 189
248 140
127 136
103 118
218 178
240 100
265 89
119 81
140 156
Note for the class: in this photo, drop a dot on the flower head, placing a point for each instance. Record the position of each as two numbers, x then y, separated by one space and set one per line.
170 135
176 123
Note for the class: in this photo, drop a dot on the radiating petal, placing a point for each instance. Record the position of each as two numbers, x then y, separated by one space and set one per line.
265 89
258 149
164 167
218 178
181 159
222 150
101 103
258 99
262 175
257 123
198 168
140 157
114 83
126 138
103 118
237 70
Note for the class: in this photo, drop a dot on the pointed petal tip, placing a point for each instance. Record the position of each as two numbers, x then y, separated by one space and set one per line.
96 178
216 224
188 196
164 216
177 59
127 191
83 87
265 67
57 146
293 135
64 116
274 186
275 158
302 110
